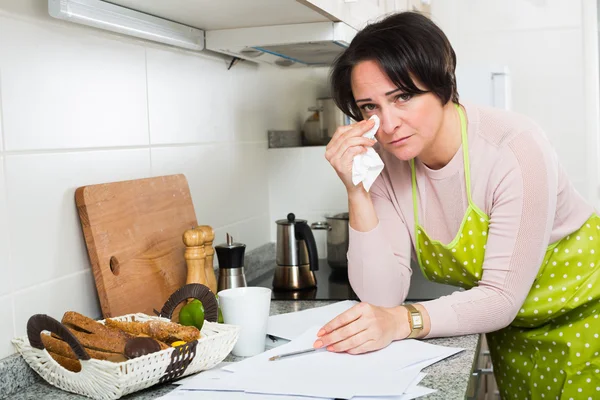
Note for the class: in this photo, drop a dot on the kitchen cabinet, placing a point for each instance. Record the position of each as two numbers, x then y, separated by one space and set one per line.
286 33
355 13
423 6
482 385
228 14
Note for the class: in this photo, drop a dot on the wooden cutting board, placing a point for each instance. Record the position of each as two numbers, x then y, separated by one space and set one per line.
133 232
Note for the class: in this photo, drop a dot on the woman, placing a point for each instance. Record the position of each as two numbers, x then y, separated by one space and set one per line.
475 195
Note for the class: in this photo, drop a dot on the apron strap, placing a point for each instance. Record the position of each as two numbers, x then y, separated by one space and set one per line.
465 145
414 191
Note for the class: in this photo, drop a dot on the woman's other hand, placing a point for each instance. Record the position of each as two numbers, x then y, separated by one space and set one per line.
346 143
364 328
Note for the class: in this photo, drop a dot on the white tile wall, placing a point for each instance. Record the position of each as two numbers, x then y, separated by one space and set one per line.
5 283
478 16
249 188
1 123
252 232
249 112
75 292
70 88
7 327
208 172
45 232
80 106
188 98
329 192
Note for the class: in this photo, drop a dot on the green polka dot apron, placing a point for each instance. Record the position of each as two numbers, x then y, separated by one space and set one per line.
551 349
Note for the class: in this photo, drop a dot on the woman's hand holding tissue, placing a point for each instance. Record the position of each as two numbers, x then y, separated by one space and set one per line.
346 143
364 328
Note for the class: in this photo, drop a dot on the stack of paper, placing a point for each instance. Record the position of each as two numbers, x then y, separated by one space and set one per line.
389 373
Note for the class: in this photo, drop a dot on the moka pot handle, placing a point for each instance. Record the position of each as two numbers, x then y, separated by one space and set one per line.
303 232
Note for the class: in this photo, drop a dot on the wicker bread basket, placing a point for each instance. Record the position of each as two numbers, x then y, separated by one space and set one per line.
103 380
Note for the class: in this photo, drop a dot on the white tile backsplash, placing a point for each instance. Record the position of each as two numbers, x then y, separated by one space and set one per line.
491 15
253 232
286 194
190 98
6 283
70 88
327 190
207 169
249 183
1 122
45 232
7 327
75 292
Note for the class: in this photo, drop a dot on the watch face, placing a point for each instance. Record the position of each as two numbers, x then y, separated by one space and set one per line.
418 322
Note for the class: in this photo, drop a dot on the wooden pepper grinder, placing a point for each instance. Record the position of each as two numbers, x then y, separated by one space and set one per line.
195 255
209 237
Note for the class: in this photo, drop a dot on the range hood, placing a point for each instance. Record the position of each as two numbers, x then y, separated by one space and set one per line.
296 36
295 45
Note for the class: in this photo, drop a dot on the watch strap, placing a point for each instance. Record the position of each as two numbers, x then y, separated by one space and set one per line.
415 320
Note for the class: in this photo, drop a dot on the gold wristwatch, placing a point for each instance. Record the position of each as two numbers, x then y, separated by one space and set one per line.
415 319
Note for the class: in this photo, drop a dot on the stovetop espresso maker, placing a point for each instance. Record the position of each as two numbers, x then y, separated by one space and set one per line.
297 256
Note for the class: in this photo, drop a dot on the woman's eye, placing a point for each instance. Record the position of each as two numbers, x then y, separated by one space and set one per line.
367 107
404 96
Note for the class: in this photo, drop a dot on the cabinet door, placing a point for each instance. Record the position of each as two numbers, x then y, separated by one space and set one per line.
423 6
356 13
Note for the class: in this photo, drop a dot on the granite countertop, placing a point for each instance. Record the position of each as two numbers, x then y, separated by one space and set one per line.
450 376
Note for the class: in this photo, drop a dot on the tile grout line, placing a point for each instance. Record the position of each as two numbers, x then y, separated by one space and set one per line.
52 280
148 109
131 147
2 133
5 195
243 221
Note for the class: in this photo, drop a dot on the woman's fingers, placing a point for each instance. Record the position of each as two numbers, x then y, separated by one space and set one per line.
344 163
343 132
361 329
366 347
361 339
342 333
341 320
354 130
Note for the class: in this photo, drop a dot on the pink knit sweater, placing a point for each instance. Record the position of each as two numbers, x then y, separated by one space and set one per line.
516 180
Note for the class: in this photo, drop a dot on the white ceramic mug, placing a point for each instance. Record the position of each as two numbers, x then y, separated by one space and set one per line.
247 307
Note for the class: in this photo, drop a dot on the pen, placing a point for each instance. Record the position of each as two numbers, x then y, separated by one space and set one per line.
293 353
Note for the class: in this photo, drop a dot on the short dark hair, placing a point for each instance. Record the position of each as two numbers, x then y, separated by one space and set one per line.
404 44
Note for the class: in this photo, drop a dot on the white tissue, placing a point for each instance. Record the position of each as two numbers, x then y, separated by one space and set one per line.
366 167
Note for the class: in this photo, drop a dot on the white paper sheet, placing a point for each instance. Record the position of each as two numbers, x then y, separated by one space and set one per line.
322 374
396 356
291 325
326 374
214 370
412 392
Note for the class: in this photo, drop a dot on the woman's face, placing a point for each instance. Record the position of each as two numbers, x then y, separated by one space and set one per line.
409 124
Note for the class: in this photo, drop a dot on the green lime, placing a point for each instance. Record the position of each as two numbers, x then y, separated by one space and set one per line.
192 314
219 313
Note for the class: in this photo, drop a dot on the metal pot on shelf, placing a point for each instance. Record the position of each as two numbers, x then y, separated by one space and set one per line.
337 238
319 128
